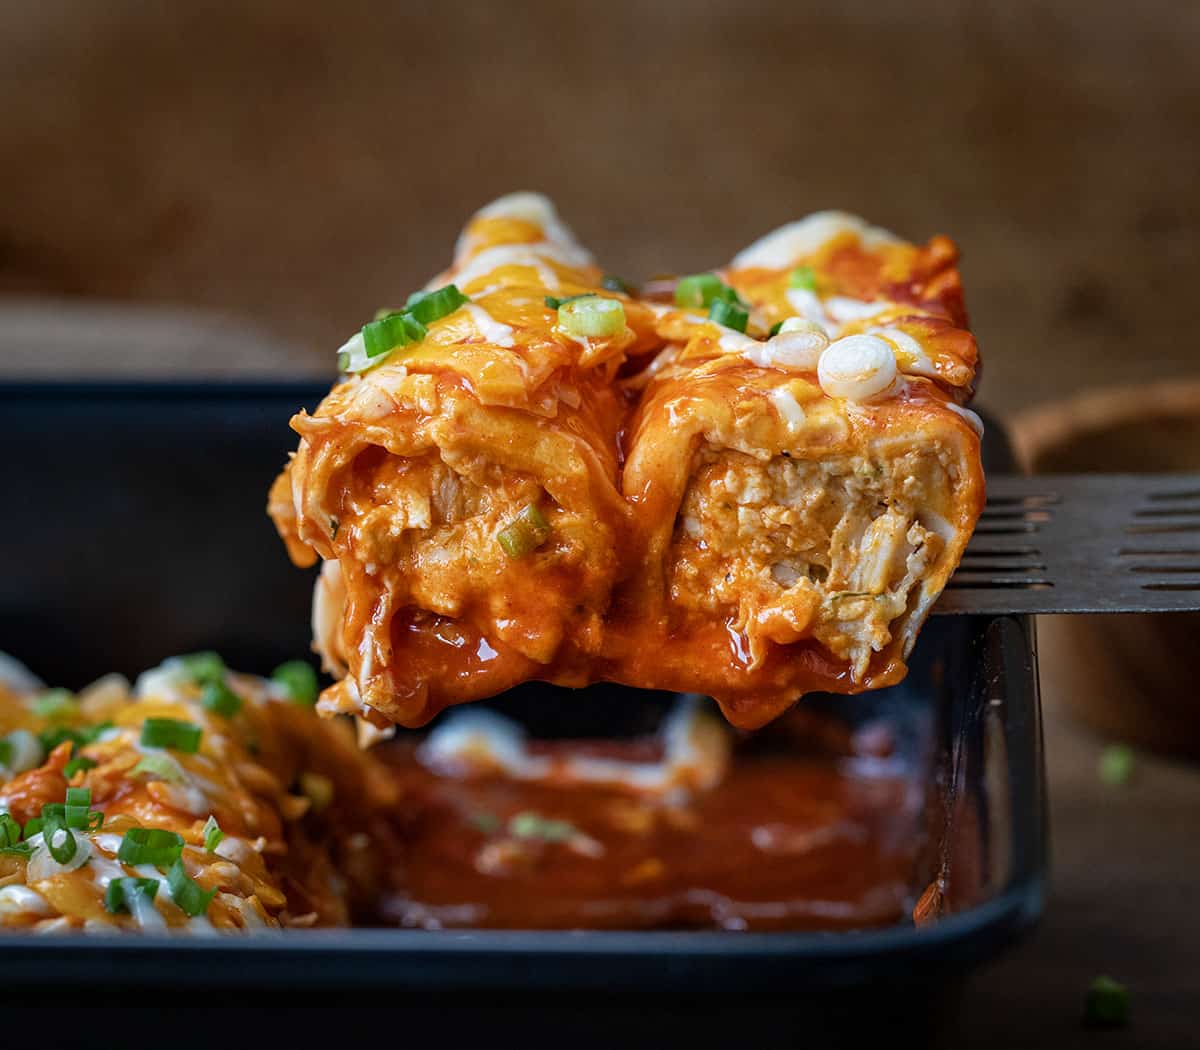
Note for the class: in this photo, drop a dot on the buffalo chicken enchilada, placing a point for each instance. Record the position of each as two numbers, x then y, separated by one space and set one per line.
751 483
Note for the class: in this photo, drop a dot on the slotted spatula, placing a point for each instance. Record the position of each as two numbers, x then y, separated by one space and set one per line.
1082 543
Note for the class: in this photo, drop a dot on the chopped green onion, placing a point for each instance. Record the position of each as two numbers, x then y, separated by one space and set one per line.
386 334
171 733
592 317
186 892
428 307
776 328
20 849
615 284
6 751
220 699
1117 764
10 830
51 738
79 797
212 834
164 767
1107 1004
76 765
731 315
118 896
698 290
59 839
317 789
55 704
155 846
202 667
532 826
528 531
803 277
553 303
299 680
487 823
71 814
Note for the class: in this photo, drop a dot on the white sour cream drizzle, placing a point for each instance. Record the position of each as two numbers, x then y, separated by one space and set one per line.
492 330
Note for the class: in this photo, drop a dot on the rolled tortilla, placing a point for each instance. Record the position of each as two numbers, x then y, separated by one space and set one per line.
801 500
408 476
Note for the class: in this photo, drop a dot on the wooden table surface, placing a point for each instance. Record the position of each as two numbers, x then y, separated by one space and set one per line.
1125 899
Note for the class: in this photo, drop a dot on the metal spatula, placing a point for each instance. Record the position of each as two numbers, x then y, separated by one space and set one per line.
1082 543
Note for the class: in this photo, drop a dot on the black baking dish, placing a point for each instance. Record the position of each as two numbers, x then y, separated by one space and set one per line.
136 529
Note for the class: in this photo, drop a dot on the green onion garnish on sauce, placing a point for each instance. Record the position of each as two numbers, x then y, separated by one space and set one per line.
55 704
528 531
529 825
731 315
427 307
78 764
155 846
171 733
776 328
220 699
299 680
803 277
592 317
119 895
212 834
186 892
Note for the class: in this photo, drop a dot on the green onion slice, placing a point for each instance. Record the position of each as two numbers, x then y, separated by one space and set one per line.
10 830
202 667
528 531
592 316
803 277
55 704
186 892
6 751
59 839
212 834
427 307
731 315
155 846
703 289
164 767
172 733
299 680
776 328
77 765
79 797
533 826
220 699
120 893
52 738
388 333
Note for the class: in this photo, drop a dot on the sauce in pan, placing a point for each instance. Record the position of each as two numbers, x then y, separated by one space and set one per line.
808 830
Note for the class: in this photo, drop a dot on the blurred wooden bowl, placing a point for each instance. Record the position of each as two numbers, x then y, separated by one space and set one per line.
1128 677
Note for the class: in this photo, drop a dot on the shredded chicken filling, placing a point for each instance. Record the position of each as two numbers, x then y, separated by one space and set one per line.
429 528
791 549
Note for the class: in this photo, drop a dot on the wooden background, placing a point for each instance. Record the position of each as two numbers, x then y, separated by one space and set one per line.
300 164
293 166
